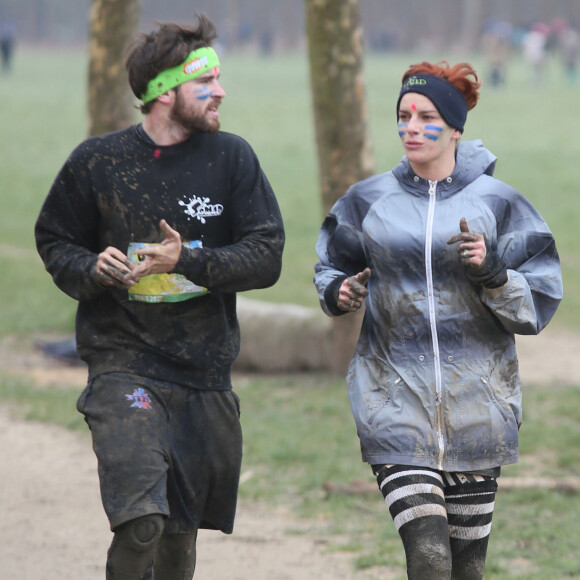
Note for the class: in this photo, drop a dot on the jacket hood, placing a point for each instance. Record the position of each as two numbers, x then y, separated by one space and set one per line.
472 161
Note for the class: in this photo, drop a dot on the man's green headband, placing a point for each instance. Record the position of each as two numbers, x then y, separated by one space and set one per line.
198 62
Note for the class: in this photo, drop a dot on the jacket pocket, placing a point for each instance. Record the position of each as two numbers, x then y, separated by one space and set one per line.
503 411
387 392
236 401
82 400
371 385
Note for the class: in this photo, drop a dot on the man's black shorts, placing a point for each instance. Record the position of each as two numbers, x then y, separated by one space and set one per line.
167 449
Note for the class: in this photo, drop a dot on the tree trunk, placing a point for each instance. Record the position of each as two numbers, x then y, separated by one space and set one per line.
472 26
110 101
335 46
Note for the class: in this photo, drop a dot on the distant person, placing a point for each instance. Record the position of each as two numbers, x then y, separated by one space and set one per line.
63 350
451 264
266 42
7 43
568 45
154 229
534 44
496 43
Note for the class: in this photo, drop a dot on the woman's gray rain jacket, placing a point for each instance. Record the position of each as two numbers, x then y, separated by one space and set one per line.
434 380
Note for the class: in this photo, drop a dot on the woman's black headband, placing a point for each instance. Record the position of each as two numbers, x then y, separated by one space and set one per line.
449 101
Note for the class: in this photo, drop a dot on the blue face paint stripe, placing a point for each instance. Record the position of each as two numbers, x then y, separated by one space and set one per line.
402 126
433 128
203 94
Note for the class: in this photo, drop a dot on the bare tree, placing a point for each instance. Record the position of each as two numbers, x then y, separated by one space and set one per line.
472 23
110 101
335 46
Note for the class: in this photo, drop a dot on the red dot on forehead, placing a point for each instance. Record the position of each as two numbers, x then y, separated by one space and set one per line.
414 107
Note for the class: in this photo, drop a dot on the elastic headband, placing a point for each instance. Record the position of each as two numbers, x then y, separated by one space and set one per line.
197 63
449 101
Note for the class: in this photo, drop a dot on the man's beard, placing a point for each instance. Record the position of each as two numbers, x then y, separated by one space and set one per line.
192 122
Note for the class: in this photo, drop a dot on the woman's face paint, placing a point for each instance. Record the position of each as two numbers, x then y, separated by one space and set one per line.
432 132
427 140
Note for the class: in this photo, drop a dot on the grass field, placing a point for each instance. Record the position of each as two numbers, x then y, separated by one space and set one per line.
298 430
531 129
299 435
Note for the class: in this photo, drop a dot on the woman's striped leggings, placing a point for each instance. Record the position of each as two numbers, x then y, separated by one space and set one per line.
444 519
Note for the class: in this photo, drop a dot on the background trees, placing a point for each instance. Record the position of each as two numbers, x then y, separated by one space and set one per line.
335 42
335 47
388 23
110 101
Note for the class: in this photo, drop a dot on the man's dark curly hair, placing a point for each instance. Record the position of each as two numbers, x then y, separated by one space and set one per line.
168 45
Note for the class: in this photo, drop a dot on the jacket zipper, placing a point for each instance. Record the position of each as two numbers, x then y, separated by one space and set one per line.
433 321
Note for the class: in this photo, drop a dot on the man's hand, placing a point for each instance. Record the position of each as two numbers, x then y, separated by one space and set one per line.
159 259
353 291
113 268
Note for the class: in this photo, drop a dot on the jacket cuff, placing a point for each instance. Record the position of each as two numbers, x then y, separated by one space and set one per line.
190 264
331 296
498 290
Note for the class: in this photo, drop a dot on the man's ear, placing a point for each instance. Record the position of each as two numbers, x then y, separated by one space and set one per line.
167 97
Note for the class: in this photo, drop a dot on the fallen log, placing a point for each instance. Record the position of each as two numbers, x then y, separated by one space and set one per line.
562 484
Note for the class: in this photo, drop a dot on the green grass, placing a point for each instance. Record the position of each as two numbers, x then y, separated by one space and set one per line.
299 435
532 130
54 405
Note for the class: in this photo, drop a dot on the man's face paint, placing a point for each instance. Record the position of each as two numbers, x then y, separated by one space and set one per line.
414 107
196 104
402 127
202 94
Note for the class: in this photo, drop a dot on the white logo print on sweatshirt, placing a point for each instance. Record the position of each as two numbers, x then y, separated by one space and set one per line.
200 208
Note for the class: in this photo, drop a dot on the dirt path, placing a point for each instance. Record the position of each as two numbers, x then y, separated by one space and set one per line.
53 526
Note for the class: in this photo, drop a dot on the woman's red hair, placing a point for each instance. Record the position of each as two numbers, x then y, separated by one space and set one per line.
458 75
